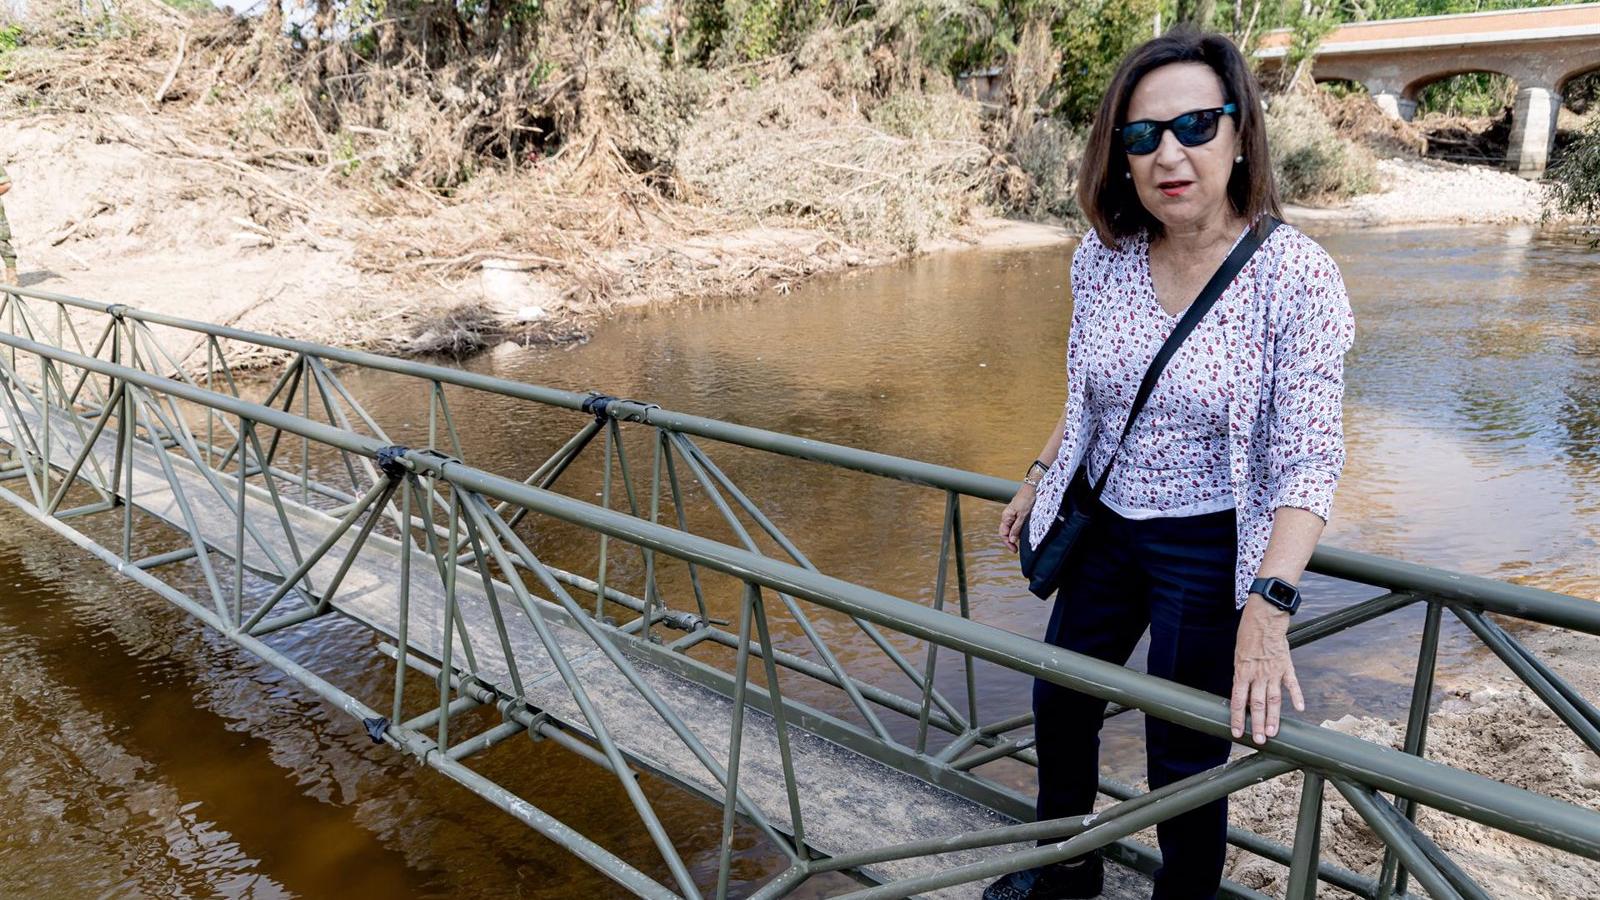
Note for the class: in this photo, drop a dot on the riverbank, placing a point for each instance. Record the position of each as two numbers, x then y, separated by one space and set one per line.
201 165
105 207
1417 191
1486 722
101 209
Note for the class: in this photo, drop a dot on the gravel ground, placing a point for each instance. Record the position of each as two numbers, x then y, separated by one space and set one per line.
1416 191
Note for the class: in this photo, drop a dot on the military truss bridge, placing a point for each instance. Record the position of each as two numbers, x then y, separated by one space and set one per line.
287 502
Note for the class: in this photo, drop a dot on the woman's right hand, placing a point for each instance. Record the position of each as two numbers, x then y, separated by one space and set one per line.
1016 512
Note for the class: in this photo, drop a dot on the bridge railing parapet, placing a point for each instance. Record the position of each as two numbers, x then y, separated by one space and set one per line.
97 406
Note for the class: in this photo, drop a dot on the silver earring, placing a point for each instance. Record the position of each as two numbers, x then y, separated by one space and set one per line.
1127 174
1239 158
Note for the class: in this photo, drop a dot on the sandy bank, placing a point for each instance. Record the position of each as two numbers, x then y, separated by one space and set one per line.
1431 192
1497 729
101 209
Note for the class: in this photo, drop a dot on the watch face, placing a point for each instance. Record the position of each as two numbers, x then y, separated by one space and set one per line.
1281 592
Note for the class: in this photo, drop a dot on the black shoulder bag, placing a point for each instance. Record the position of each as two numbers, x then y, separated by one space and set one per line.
1043 565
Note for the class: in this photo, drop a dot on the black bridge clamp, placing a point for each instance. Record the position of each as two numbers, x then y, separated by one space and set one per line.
596 405
391 460
599 405
682 621
376 728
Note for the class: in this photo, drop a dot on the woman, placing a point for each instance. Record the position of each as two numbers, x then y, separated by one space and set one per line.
1227 477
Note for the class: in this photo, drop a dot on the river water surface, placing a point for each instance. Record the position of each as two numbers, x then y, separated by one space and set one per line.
143 756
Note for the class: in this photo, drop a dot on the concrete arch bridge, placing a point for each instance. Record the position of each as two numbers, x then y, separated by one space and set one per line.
1540 50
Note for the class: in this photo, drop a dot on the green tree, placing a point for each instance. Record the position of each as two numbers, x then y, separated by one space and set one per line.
1573 181
743 30
1310 24
1582 92
1199 13
1467 94
1089 36
1093 38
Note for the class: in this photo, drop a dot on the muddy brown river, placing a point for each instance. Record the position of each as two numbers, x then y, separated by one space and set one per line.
143 756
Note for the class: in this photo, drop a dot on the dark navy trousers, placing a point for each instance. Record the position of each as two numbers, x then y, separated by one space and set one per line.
1175 576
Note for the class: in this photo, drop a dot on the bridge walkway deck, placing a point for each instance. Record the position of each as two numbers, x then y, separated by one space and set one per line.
848 801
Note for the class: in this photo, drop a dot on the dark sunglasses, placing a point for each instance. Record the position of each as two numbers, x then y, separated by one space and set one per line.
1192 129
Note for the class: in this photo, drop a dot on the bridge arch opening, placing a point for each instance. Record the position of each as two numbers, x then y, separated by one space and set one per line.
1580 104
1342 87
1463 92
1466 114
1580 91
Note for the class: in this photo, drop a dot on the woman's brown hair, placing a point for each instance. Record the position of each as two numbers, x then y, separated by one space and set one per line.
1109 200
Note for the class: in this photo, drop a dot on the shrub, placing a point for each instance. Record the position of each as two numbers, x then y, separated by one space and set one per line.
1088 37
1311 161
1572 183
1048 154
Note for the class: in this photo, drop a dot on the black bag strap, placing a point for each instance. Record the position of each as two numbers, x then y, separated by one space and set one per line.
1202 304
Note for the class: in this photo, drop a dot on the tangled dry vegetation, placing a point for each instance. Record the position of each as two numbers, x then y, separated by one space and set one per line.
551 142
565 148
1325 148
800 144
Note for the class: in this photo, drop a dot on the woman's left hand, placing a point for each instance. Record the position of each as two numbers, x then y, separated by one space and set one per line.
1262 669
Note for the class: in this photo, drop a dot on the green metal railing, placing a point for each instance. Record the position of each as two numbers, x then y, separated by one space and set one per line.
81 413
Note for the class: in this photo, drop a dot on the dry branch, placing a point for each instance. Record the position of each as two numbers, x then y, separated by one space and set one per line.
61 237
177 61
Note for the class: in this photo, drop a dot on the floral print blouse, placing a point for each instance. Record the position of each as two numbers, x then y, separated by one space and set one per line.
1271 352
1175 460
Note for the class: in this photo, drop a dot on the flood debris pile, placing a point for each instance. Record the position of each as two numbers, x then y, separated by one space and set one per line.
557 142
420 176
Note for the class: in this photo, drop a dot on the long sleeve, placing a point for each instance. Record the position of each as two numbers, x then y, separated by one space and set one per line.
1315 329
1082 294
1054 483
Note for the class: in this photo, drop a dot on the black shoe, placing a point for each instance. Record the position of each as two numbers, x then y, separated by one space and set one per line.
1057 881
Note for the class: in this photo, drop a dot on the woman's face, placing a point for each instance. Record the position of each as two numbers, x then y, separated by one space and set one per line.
1182 186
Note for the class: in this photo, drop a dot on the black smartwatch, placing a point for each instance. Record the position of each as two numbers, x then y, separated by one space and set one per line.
1278 592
